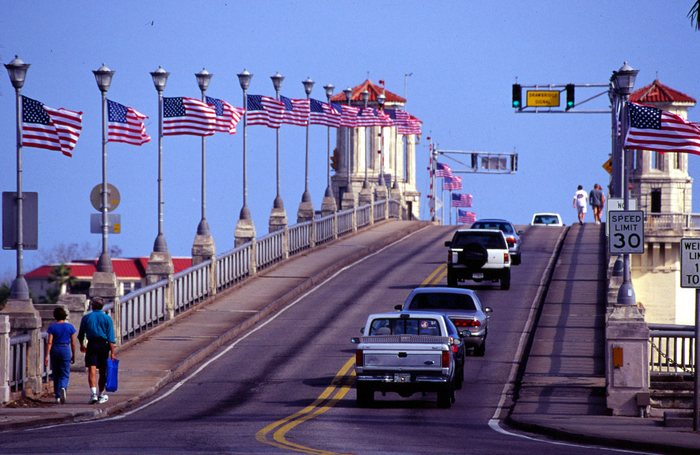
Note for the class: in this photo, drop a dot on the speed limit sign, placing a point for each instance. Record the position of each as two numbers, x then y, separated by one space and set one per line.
626 232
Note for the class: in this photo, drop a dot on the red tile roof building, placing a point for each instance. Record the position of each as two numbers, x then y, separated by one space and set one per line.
658 93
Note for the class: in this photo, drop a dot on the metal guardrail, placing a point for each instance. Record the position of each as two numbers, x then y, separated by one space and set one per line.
299 237
394 209
19 349
191 286
344 222
270 249
142 309
671 349
363 216
380 210
233 266
324 229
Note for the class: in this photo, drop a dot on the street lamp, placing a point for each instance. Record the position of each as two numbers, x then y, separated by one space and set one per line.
365 98
623 81
244 80
306 197
348 153
160 78
277 80
103 77
203 79
17 71
329 200
381 99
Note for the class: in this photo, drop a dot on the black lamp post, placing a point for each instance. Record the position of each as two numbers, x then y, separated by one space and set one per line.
103 77
329 194
381 99
160 79
203 79
365 99
17 71
244 80
277 80
348 152
306 197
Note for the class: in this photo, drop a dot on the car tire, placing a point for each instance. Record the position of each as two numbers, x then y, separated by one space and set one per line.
474 256
480 350
459 378
365 395
517 259
451 279
505 280
445 396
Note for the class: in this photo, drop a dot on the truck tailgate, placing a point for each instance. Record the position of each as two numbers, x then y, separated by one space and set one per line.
400 352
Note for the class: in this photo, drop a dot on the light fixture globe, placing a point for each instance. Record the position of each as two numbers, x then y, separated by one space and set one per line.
365 96
277 80
329 90
624 79
348 94
203 79
244 78
308 85
103 77
160 78
17 70
381 99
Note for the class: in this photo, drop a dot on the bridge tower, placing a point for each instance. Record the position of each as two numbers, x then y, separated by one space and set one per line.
357 146
663 189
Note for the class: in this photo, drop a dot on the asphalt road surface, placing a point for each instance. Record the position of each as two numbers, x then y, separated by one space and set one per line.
287 386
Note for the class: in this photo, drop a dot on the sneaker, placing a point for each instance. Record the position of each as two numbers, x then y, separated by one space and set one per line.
64 395
93 398
103 398
58 401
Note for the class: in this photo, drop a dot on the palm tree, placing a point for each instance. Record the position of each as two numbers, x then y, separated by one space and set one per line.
694 15
61 276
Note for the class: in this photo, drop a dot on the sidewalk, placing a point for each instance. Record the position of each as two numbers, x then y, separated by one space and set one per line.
562 391
150 362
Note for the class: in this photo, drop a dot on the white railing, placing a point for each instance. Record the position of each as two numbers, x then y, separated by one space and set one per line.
344 221
191 286
19 350
672 221
142 309
324 229
380 210
233 266
363 218
270 249
671 349
299 237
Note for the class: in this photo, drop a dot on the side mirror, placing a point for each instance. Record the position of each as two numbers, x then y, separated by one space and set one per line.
355 340
398 307
521 232
448 243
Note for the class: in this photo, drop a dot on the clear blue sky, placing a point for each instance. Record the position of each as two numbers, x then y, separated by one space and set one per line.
464 56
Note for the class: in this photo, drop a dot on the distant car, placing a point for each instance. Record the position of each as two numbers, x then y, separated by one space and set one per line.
478 255
546 219
512 236
461 306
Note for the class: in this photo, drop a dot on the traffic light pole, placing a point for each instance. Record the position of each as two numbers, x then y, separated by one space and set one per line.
545 106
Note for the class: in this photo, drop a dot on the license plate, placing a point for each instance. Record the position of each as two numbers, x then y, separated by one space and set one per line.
402 377
477 276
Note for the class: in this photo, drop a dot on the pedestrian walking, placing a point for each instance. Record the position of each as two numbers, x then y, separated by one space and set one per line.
581 203
597 201
60 349
98 329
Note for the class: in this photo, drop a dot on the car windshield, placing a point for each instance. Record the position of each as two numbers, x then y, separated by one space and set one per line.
488 240
442 301
504 227
546 219
412 326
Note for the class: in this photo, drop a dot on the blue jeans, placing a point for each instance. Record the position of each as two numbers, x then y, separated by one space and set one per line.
60 367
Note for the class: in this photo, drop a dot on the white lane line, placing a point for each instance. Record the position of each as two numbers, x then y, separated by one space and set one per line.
182 382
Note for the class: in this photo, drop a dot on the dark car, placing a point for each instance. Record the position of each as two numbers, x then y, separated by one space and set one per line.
461 306
512 236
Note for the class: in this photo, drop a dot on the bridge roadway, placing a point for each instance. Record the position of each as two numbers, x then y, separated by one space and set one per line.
267 367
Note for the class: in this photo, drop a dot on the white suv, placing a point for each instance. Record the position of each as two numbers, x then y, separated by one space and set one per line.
478 255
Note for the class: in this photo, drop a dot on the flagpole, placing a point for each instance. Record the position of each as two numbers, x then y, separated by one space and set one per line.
450 207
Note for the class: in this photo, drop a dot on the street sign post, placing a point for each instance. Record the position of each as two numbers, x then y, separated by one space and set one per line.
626 232
690 278
615 203
113 197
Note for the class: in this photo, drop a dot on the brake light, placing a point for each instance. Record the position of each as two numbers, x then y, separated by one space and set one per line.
506 258
359 358
455 348
446 359
466 323
510 240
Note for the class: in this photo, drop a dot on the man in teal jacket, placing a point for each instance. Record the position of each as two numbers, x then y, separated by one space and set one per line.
97 327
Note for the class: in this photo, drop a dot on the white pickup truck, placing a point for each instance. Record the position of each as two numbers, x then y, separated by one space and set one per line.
407 353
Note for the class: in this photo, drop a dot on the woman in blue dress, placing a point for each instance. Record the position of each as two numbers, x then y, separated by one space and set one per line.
61 350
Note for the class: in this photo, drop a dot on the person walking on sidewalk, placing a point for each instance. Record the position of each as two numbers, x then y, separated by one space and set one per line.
581 203
597 200
97 327
60 349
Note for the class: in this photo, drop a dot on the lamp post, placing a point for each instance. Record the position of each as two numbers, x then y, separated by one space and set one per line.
278 217
623 82
17 71
306 209
245 230
203 246
365 99
381 99
347 200
328 205
160 79
103 77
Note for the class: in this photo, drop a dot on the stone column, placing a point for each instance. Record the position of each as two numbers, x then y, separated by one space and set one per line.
104 285
160 267
626 359
24 318
203 248
4 359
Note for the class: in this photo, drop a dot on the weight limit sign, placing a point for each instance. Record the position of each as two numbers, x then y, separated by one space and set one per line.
690 263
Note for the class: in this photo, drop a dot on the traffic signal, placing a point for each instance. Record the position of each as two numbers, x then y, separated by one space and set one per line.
570 102
334 160
517 96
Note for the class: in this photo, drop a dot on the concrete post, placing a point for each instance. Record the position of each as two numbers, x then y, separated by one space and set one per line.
213 276
104 285
4 359
285 243
335 225
354 219
312 234
24 318
169 296
160 267
626 360
203 248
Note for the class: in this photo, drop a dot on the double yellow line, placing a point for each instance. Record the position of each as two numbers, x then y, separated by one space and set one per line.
275 434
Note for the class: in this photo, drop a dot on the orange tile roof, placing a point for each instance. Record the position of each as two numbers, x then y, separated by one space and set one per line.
374 91
656 92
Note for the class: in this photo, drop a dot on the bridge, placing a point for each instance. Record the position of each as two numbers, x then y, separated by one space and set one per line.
263 363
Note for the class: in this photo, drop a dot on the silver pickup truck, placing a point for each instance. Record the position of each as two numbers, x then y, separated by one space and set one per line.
408 353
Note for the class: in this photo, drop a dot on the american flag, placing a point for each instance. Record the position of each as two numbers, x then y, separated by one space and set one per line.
125 124
296 111
384 119
264 110
413 126
227 116
452 183
400 118
48 128
188 116
465 216
348 116
325 114
461 200
443 170
660 131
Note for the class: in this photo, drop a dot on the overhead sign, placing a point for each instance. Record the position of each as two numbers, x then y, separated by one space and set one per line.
626 232
113 197
690 263
114 223
543 98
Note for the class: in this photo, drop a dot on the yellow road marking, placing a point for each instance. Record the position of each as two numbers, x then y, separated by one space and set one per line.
340 386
